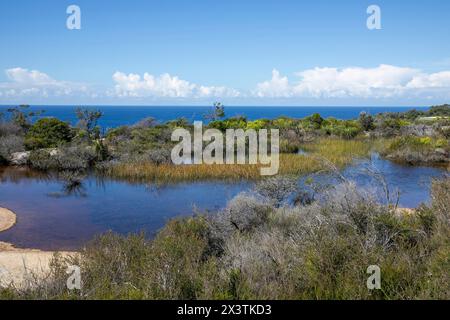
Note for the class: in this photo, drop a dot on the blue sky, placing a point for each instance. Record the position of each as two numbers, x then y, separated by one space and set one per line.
246 52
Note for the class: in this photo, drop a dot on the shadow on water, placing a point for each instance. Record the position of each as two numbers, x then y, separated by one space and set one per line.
61 212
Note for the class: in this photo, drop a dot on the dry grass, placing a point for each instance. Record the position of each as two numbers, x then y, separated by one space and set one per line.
337 151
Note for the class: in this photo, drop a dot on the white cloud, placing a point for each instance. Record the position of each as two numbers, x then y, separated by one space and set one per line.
25 83
434 80
33 77
32 84
164 86
276 87
385 84
384 81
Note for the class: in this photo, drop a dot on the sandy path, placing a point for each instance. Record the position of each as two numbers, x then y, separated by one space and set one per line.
19 265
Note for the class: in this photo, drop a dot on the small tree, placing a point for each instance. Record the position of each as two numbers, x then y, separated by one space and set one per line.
366 121
217 113
87 121
21 117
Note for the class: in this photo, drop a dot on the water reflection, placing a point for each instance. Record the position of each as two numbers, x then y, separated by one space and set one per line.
54 213
64 211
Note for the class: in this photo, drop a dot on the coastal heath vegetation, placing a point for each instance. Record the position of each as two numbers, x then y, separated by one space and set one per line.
265 245
141 152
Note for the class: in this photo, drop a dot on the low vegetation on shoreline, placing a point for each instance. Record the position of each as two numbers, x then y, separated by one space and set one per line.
141 152
265 245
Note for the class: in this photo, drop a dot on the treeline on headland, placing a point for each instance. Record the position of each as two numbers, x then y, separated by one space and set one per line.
142 151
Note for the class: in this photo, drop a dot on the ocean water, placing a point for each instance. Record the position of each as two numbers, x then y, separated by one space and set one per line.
114 116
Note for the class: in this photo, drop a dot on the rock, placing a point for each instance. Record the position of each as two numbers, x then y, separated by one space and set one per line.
419 130
53 152
441 151
20 158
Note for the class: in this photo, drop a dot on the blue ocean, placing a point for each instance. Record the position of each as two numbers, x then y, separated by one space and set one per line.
114 116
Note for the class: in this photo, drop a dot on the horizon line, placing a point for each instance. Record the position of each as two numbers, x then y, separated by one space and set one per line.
226 106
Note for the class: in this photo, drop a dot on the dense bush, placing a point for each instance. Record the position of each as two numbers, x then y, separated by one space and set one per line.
48 133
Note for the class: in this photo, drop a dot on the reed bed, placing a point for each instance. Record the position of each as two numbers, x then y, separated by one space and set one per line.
339 152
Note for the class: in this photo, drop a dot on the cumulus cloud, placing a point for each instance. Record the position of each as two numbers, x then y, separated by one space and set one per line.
278 86
384 81
165 86
434 80
32 83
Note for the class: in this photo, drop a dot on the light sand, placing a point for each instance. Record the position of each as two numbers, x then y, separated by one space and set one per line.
19 266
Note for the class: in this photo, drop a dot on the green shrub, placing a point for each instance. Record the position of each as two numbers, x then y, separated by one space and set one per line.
258 124
48 133
314 121
346 129
238 122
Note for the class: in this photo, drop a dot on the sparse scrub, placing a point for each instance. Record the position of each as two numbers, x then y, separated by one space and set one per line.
8 145
277 190
9 129
74 158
